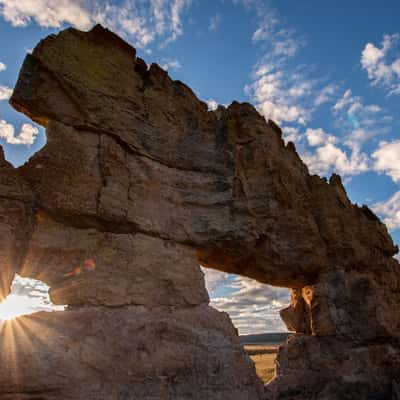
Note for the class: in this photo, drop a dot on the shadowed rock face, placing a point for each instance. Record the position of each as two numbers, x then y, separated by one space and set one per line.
137 185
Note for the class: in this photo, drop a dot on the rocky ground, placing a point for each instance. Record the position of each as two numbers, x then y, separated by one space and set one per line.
264 357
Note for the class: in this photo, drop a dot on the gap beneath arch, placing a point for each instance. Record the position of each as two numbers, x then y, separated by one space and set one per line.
254 309
27 297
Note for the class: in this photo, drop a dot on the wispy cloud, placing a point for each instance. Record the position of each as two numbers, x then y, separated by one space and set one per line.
46 13
3 66
253 306
139 22
290 93
214 22
383 63
359 121
214 279
170 64
26 136
326 94
389 210
282 90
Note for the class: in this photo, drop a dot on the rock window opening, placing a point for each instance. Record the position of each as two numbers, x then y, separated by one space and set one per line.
254 308
27 296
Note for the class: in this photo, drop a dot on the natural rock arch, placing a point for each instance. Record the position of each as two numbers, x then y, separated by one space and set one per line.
137 184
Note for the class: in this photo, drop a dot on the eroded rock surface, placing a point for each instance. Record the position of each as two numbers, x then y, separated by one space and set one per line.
137 185
16 221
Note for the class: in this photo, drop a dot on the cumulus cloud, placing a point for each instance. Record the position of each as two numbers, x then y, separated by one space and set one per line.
253 306
329 158
212 104
137 21
3 66
387 159
278 95
389 211
5 92
318 137
291 134
26 136
383 63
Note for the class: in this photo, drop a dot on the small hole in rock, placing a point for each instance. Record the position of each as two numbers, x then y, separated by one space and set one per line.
27 297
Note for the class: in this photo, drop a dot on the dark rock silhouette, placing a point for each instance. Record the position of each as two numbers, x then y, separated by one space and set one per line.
137 185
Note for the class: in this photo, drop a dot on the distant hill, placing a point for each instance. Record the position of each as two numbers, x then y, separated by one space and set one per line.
265 338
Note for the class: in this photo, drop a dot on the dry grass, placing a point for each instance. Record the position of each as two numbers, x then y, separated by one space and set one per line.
263 357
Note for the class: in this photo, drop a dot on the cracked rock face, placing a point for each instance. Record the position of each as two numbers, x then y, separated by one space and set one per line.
137 185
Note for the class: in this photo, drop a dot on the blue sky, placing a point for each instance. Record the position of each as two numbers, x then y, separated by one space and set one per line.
327 72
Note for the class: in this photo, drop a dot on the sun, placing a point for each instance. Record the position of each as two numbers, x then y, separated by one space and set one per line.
15 306
27 297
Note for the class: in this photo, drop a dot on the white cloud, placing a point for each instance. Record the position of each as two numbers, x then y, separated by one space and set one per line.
389 211
212 104
329 158
345 100
291 134
360 121
279 91
278 94
137 21
5 92
387 159
214 23
177 7
214 279
46 13
26 136
253 306
325 94
170 64
318 137
382 64
126 20
3 66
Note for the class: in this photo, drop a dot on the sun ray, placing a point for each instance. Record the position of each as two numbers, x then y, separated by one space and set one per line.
27 296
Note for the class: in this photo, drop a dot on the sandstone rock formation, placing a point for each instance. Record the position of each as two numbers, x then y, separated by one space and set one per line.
137 185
